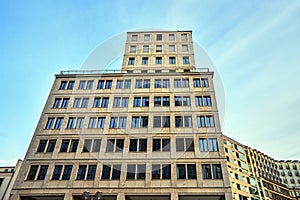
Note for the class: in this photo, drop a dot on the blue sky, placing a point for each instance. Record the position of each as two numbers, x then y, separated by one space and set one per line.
254 44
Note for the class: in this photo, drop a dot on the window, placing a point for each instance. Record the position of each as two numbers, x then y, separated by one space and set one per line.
42 145
42 172
145 61
208 144
85 103
161 122
75 122
132 49
184 37
91 172
77 103
158 48
139 122
115 145
81 172
91 145
203 101
183 121
162 83
74 145
158 60
118 122
181 83
146 48
57 172
51 146
185 60
196 82
159 37
97 122
184 144
204 82
186 171
67 172
135 172
134 37
185 48
172 60
67 85
121 102
81 103
171 37
82 85
57 102
65 145
50 123
182 101
205 121
32 172
141 102
211 171
101 102
140 83
161 171
111 172
89 85
131 61
104 84
171 48
161 144
146 37
138 145
65 102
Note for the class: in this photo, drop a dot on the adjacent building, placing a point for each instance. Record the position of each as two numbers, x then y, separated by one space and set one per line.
8 176
150 131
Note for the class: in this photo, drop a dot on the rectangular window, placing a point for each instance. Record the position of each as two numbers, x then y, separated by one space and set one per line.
82 85
185 48
50 122
198 100
217 171
184 144
65 102
161 144
205 121
134 37
120 84
159 37
42 172
63 85
100 84
32 172
131 61
57 172
104 103
115 145
51 146
64 145
91 172
171 37
87 145
97 102
58 122
186 171
172 60
89 85
158 48
206 101
57 102
186 60
156 171
85 103
161 121
146 48
138 83
77 103
117 102
171 48
42 145
210 144
178 83
132 49
206 171
213 171
184 37
182 101
67 172
71 85
74 145
139 122
196 82
81 172
108 84
158 60
183 121
96 145
146 37
118 122
145 61
106 172
131 171
79 123
185 83
204 82
116 173
157 83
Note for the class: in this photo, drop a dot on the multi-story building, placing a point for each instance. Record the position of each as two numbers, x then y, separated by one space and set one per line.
8 176
151 131
254 175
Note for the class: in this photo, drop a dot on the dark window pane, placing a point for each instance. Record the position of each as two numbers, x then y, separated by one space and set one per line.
51 145
141 171
81 172
57 172
156 145
42 146
179 144
181 174
42 172
206 171
32 172
67 172
120 145
165 144
166 171
110 145
191 171
155 171
91 172
133 145
106 172
116 172
143 145
130 172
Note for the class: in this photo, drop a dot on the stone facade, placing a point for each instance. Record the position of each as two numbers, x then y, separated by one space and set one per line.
151 131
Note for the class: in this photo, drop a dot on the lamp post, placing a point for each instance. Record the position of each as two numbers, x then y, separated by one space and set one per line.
86 195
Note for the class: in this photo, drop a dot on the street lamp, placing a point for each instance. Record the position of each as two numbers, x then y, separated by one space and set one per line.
86 195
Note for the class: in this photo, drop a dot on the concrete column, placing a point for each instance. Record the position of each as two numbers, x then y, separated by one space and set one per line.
174 196
121 196
68 196
228 196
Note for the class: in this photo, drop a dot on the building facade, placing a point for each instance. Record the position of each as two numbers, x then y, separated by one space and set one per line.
151 131
8 177
254 175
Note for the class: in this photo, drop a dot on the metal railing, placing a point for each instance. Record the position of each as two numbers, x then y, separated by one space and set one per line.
109 71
